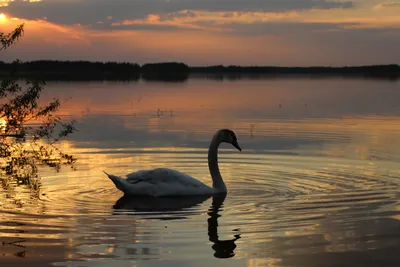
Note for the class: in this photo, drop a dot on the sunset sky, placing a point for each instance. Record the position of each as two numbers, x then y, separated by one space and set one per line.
205 32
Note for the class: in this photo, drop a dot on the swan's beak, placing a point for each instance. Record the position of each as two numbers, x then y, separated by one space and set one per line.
235 144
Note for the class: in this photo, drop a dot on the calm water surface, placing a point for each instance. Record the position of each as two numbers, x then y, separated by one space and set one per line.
317 182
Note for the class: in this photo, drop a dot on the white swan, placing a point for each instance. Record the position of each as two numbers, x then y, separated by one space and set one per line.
167 182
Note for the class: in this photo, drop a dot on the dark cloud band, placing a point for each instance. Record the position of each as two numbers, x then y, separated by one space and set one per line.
91 11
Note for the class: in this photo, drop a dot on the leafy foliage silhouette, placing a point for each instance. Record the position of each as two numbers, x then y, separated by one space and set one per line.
28 130
75 70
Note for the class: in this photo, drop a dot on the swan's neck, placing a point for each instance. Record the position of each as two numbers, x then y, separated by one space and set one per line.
218 183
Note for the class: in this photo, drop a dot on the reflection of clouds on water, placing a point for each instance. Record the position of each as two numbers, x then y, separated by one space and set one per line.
299 98
112 132
335 117
369 243
341 229
313 182
353 137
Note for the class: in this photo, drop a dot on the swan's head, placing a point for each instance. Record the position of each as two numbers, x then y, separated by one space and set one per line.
229 136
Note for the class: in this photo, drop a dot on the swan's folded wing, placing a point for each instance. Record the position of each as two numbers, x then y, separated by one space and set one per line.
162 175
140 176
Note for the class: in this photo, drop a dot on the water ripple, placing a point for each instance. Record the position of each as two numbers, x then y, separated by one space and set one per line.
308 185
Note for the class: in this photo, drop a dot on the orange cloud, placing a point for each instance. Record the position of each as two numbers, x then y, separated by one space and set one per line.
43 32
388 5
45 40
4 3
210 37
210 21
262 23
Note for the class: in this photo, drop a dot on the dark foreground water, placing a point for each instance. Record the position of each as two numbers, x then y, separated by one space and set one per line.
317 182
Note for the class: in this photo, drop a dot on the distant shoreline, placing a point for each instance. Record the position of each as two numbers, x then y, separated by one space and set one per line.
172 71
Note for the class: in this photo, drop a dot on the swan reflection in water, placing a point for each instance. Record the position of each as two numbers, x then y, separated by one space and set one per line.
222 248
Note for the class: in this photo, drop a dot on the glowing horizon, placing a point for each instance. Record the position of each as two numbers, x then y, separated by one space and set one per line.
303 34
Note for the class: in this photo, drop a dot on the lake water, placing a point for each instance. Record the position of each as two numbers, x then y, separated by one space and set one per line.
316 184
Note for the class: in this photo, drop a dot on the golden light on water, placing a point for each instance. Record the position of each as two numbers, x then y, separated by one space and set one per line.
309 201
3 124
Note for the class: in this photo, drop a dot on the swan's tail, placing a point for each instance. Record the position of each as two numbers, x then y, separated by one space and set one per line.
119 182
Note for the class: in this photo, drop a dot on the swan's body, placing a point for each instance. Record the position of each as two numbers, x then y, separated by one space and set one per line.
167 182
160 182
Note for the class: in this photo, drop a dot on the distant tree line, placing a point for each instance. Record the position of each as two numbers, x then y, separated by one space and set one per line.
169 71
373 71
174 71
73 70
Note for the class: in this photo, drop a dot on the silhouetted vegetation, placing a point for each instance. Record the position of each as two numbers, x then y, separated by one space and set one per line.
175 72
28 131
235 72
74 70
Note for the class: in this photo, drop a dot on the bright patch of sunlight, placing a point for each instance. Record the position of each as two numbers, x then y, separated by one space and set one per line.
3 125
3 17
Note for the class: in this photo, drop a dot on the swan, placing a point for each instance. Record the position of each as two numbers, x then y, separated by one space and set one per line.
162 182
